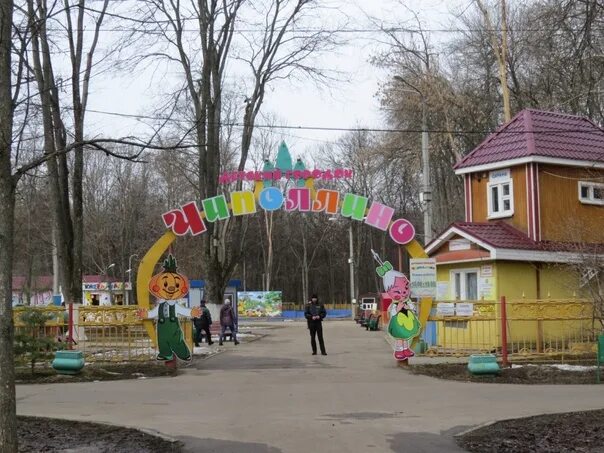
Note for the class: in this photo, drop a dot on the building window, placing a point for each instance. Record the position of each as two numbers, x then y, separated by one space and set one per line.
500 197
465 284
591 192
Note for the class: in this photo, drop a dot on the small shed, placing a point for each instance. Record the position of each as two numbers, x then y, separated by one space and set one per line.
197 293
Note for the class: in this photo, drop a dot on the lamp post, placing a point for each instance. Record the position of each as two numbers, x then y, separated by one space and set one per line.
426 193
129 272
105 273
351 263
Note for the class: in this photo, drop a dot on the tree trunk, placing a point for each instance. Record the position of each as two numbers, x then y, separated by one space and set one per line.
8 417
268 219
500 51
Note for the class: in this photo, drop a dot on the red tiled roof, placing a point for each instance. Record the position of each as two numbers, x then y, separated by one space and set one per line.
501 235
44 282
538 133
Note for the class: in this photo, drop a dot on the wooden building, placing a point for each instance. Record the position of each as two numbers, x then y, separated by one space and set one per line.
534 209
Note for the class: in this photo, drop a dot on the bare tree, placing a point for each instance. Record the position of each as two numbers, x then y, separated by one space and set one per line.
279 50
8 418
66 191
500 49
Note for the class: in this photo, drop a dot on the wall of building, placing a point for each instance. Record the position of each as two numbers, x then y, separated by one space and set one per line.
562 216
487 281
518 282
480 210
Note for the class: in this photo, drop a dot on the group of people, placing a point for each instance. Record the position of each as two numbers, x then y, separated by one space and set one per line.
314 313
228 320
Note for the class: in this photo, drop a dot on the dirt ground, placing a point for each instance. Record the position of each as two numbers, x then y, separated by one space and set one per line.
100 372
574 431
48 435
526 374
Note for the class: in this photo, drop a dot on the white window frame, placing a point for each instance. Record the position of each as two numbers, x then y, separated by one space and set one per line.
501 198
590 198
463 290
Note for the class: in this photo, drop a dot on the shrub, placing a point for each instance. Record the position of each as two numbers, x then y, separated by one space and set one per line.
32 343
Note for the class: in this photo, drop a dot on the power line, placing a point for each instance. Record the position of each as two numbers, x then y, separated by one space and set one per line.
325 30
552 131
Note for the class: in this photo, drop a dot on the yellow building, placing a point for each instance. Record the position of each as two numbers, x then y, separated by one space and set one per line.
534 218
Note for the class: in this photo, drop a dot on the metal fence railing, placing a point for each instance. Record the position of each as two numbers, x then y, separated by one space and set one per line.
103 334
550 327
454 335
519 329
297 306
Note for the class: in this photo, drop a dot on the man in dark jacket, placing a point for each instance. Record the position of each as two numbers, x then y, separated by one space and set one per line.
202 324
314 314
227 320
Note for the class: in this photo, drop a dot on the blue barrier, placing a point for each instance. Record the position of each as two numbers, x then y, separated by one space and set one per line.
294 314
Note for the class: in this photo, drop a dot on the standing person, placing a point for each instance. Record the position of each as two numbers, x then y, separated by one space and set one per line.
227 320
202 324
314 314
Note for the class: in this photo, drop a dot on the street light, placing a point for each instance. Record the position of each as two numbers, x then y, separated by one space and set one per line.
426 193
129 272
351 265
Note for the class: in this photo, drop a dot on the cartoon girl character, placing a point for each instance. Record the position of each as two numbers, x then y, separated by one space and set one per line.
169 286
404 325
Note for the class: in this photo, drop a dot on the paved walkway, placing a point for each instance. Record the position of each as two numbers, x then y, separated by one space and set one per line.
272 396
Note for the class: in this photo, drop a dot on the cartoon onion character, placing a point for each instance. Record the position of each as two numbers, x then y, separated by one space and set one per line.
403 325
168 286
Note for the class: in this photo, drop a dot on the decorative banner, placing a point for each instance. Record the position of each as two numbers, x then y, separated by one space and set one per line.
301 196
271 175
104 286
403 325
423 277
188 218
259 304
169 286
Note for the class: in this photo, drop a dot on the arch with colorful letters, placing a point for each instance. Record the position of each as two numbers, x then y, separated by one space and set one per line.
190 218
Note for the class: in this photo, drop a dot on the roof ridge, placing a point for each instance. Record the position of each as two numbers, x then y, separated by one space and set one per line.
556 112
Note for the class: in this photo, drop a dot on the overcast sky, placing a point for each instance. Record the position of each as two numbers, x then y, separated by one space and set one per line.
342 105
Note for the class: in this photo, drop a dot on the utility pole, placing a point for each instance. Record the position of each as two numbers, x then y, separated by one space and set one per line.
351 263
426 190
426 196
130 271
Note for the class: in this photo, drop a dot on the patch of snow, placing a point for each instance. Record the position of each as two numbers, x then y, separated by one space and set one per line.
517 366
566 367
